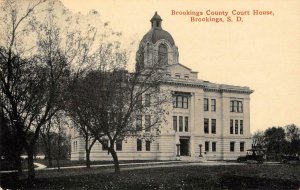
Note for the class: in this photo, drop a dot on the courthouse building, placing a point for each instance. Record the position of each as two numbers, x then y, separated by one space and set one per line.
206 119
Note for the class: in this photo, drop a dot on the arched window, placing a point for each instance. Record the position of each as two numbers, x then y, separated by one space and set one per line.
140 59
148 53
162 54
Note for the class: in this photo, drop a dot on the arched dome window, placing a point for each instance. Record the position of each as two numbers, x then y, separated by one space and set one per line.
148 53
140 59
162 54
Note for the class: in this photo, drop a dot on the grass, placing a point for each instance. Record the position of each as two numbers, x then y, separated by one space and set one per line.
178 177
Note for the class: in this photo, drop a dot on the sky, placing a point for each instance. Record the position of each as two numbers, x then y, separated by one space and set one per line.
262 52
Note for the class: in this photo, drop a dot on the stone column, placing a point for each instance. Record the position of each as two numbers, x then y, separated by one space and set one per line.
192 124
200 147
178 150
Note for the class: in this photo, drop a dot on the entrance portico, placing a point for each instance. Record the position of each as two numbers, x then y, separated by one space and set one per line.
184 146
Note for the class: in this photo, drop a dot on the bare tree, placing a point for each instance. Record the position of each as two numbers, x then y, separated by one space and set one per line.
17 77
115 102
33 80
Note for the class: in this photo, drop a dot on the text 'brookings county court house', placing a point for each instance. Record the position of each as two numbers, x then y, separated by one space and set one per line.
207 119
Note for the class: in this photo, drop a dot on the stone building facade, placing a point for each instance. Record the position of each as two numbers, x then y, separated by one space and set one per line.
207 119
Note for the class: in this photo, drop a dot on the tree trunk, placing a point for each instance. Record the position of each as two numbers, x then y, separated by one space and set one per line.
116 160
88 161
50 164
18 162
31 172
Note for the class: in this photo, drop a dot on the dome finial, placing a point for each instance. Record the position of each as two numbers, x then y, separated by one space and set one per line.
156 21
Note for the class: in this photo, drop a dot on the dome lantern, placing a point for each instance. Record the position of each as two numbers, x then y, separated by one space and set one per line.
156 21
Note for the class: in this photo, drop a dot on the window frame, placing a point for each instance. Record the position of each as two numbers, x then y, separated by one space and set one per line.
148 145
213 105
105 142
236 106
213 126
206 126
206 146
180 121
175 123
232 146
214 146
147 100
119 145
241 127
163 54
180 101
242 148
231 126
206 104
147 123
236 126
139 145
186 124
139 123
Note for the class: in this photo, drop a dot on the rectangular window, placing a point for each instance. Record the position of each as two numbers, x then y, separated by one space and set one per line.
119 145
139 102
177 75
231 106
236 129
206 104
206 125
105 145
186 124
213 105
147 100
240 107
180 124
180 101
175 123
139 123
213 146
185 102
206 146
236 106
147 123
148 143
232 146
139 145
231 126
242 146
241 127
213 126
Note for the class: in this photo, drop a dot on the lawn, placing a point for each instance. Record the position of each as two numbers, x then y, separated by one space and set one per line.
181 177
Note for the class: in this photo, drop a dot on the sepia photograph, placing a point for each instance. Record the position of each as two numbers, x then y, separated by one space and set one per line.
149 94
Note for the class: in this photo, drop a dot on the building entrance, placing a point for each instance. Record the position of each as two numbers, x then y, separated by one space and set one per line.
184 146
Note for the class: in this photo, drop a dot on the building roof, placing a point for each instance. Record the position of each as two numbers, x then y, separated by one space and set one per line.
157 33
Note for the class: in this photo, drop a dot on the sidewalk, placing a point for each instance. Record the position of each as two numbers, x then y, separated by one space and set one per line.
142 165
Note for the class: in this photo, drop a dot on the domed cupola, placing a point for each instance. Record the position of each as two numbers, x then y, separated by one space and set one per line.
156 32
157 46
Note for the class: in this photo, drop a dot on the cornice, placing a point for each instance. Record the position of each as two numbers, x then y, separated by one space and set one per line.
214 88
